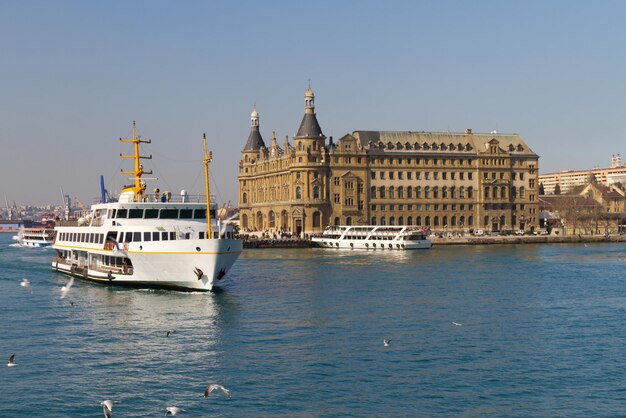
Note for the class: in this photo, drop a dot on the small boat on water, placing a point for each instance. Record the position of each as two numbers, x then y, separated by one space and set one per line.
148 240
35 237
375 237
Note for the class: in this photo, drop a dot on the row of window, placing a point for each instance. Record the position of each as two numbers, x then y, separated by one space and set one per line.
137 213
426 207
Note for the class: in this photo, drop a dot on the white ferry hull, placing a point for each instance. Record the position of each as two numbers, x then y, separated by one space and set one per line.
373 245
190 265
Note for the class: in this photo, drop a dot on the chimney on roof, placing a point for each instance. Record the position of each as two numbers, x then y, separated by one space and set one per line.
468 131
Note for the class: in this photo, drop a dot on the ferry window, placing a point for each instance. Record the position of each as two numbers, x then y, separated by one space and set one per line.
135 213
136 236
155 236
121 213
164 236
212 213
147 236
100 238
168 214
128 237
112 213
201 235
151 214
199 214
92 238
185 213
172 236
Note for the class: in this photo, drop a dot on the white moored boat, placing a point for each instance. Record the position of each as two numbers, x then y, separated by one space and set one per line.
372 237
148 240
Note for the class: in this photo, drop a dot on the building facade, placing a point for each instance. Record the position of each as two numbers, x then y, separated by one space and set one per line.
450 182
565 181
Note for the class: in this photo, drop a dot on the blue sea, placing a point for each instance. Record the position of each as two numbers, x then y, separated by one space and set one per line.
299 333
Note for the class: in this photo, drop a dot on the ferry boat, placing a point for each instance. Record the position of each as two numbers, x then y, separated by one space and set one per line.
35 237
148 241
372 237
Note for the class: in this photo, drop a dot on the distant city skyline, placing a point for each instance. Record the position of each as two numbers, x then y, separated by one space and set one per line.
75 75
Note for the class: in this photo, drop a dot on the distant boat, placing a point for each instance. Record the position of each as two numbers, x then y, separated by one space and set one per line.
35 237
148 240
373 237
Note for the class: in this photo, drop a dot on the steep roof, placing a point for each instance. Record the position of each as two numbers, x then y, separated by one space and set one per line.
309 127
255 141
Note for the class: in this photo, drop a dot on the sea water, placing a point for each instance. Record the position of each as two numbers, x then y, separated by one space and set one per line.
299 333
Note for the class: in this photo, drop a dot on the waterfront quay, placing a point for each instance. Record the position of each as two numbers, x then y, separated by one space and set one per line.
462 240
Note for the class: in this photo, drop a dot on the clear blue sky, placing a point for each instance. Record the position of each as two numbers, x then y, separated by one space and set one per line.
75 74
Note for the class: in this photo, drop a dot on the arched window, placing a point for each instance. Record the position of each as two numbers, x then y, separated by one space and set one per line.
259 220
470 192
401 220
462 220
486 220
427 192
392 192
495 192
502 221
503 192
373 220
462 192
336 221
436 192
400 192
381 192
453 221
513 192
444 192
470 220
272 219
316 192
436 221
373 192
418 192
244 198
444 221
392 220
383 221
487 192
244 221
349 220
521 192
298 192
418 221
409 220
409 192
453 192
316 219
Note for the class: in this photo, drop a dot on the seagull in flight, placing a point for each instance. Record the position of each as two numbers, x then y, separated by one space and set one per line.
25 283
173 410
457 324
12 362
215 386
107 407
65 289
386 343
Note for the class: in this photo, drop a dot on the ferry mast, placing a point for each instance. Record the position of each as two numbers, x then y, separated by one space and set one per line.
139 188
207 159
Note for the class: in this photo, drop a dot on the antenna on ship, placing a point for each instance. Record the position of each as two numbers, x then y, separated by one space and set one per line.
139 187
207 159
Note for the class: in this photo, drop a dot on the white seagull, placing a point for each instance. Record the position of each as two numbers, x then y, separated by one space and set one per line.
173 410
12 362
215 386
107 407
25 283
457 324
65 289
386 342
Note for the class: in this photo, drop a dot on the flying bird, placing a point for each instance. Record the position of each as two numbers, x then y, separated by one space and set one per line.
173 410
215 386
65 289
25 283
12 362
386 342
457 324
107 407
